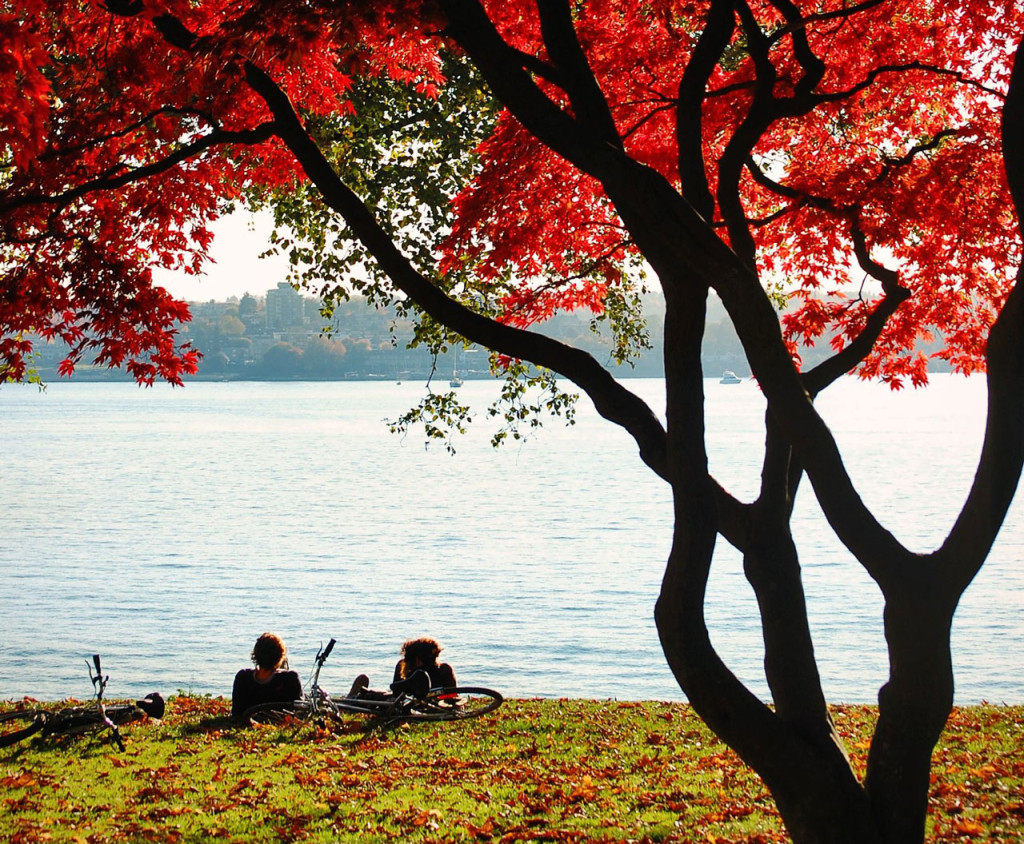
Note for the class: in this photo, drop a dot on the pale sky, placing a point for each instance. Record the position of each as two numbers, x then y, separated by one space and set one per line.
239 238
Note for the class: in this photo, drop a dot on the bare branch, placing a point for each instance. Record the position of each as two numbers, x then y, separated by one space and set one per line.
881 70
848 358
803 22
105 183
124 131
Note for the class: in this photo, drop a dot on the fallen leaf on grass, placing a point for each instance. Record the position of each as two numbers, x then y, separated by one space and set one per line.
164 812
585 790
22 780
968 827
312 779
429 818
484 831
27 803
985 772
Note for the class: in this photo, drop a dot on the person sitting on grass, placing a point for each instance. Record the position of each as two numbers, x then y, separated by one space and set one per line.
269 682
416 672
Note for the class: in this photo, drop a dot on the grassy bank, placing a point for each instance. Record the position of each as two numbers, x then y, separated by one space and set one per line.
552 770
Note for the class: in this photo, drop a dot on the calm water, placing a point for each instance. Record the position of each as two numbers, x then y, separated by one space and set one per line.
167 528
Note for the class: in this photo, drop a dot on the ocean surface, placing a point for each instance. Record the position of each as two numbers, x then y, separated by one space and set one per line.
166 528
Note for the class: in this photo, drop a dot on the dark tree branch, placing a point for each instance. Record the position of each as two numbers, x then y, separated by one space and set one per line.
890 279
563 46
540 68
502 68
767 108
772 567
1013 137
776 744
758 45
636 127
175 32
890 164
215 138
763 110
718 29
814 68
124 131
876 72
846 360
610 398
651 208
767 181
853 353
807 20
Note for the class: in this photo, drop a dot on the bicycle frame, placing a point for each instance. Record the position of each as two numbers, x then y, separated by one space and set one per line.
387 708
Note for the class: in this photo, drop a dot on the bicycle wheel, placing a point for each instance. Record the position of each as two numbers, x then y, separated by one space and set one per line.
20 724
278 713
453 704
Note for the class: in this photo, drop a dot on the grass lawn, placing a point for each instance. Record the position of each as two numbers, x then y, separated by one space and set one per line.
535 770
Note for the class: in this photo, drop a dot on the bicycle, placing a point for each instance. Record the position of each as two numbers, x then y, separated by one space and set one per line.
75 720
410 700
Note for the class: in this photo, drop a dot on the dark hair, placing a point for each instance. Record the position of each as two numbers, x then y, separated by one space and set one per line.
424 651
269 652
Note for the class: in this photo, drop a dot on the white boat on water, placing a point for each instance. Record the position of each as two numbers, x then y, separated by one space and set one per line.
455 380
730 377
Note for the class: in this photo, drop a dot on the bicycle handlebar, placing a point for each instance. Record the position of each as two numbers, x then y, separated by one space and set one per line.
315 691
98 680
324 652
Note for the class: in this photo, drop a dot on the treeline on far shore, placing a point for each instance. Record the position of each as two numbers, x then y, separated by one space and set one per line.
255 339
243 340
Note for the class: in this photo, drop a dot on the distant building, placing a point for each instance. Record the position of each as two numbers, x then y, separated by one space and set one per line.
284 307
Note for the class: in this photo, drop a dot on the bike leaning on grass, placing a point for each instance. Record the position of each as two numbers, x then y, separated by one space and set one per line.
19 724
410 700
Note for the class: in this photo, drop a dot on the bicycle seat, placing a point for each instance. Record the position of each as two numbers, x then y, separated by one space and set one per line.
415 685
153 705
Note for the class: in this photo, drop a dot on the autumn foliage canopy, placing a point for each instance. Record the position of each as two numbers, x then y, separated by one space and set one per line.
130 126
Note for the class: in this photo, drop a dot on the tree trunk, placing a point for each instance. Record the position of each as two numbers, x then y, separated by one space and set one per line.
913 708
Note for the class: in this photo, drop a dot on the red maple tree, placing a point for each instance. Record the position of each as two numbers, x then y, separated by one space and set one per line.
861 160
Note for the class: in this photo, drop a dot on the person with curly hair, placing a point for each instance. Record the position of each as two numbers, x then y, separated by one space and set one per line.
418 670
269 681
